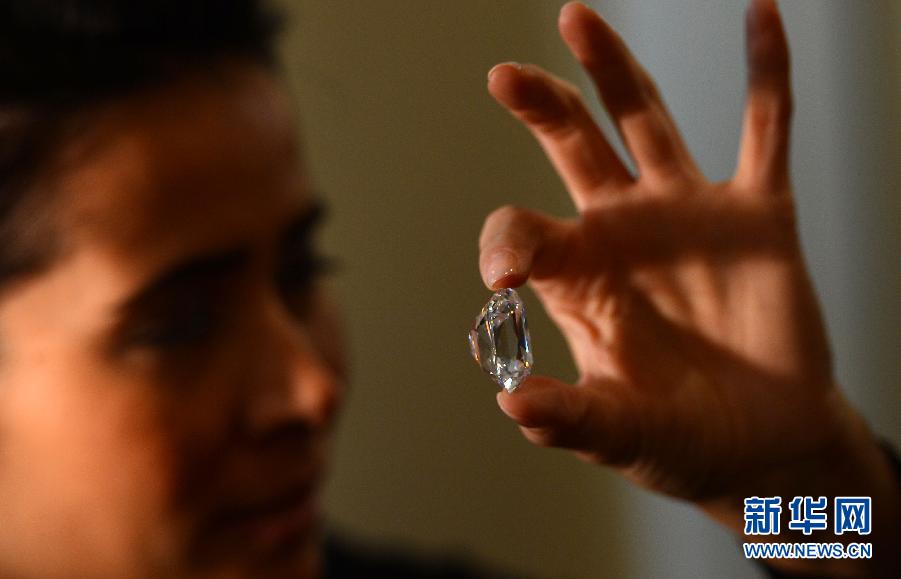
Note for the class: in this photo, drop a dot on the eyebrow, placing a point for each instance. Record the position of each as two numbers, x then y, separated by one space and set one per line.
217 266
299 228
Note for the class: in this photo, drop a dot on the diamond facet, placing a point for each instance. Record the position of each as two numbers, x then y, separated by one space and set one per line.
499 340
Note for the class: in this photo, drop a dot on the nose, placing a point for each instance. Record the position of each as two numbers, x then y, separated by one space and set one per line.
294 378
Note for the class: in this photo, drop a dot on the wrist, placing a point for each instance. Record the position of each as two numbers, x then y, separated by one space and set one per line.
851 464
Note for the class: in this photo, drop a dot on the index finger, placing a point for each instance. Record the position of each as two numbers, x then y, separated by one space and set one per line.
554 112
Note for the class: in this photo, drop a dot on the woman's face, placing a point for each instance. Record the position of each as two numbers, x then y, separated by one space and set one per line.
168 384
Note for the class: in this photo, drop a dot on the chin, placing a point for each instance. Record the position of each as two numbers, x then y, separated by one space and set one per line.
283 544
302 560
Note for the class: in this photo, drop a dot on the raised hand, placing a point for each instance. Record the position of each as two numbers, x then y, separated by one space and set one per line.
704 365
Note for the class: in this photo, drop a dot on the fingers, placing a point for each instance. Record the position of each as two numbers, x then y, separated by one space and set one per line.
516 244
763 159
591 419
554 112
628 93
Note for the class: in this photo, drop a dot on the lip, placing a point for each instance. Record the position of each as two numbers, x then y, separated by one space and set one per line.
270 524
287 516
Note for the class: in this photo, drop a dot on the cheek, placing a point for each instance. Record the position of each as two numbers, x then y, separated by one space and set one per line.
84 467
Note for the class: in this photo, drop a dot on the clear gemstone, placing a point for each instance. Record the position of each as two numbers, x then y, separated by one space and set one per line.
499 340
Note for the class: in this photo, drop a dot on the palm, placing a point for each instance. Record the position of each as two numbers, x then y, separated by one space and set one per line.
672 310
685 303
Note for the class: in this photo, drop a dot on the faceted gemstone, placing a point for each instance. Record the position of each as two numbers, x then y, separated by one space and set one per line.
499 340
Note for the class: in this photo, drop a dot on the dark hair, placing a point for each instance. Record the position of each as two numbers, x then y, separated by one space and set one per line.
61 57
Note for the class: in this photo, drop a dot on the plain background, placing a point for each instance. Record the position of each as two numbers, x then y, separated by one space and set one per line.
411 154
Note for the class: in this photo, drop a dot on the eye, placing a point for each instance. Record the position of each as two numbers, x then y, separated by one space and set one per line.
298 275
188 328
189 321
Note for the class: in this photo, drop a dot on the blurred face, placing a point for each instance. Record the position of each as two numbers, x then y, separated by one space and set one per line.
168 384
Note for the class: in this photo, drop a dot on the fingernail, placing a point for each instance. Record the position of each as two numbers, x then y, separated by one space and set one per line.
758 9
753 12
502 264
564 11
491 72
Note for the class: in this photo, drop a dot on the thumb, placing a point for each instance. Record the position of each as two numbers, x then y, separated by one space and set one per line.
593 418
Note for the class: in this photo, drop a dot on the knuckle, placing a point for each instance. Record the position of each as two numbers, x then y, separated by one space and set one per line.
787 107
547 436
556 108
771 109
570 95
554 115
648 86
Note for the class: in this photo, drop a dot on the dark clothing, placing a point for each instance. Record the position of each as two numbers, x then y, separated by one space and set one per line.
348 560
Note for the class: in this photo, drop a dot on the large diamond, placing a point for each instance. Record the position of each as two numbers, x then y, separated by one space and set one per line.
500 342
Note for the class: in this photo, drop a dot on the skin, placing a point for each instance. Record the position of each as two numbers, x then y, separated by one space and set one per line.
151 436
705 370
